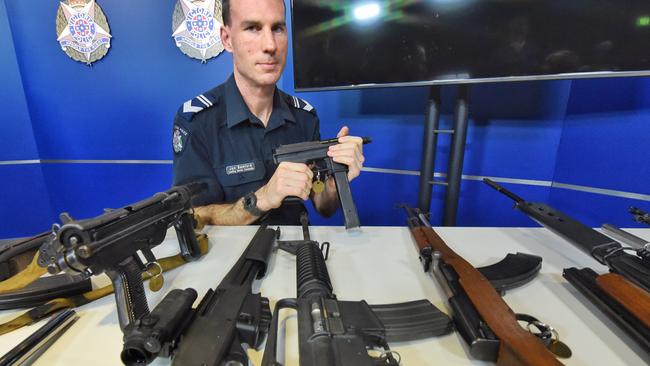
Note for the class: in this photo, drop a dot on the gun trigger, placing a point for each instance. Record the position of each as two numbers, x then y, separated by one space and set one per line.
148 255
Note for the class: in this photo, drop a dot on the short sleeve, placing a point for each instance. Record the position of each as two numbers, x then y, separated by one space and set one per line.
192 161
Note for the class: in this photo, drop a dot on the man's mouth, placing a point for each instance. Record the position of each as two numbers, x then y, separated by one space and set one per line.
268 65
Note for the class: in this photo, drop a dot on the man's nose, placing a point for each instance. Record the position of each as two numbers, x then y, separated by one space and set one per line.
268 42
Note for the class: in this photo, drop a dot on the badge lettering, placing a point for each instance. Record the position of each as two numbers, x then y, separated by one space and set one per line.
240 168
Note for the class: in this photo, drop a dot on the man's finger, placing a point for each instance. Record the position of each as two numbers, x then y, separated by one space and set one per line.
354 139
295 167
343 132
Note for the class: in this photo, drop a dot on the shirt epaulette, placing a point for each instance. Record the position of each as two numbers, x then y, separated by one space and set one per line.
195 105
299 103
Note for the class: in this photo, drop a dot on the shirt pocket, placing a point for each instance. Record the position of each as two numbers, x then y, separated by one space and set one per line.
240 172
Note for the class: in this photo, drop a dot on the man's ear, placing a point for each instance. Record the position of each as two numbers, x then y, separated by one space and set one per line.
225 38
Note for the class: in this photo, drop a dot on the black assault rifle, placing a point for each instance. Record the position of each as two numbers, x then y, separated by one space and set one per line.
624 294
315 152
111 242
340 333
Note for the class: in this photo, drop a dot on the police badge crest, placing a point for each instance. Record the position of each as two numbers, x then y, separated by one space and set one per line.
178 139
82 30
195 27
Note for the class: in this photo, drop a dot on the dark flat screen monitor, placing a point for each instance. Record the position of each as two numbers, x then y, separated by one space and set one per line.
366 43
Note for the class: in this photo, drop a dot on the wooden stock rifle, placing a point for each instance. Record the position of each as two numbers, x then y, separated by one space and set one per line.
624 294
475 303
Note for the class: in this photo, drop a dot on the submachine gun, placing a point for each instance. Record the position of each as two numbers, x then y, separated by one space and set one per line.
624 294
341 333
212 334
480 314
111 242
315 152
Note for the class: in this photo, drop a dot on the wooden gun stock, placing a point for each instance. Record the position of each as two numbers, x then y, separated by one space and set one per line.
633 298
517 346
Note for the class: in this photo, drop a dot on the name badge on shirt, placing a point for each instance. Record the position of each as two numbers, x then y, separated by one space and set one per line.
240 168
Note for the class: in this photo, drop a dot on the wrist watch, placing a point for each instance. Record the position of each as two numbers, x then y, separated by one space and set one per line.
250 205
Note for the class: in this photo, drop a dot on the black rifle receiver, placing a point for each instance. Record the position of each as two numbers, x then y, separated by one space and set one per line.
341 333
231 315
110 243
315 152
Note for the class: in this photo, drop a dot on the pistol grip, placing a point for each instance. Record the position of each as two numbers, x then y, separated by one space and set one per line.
129 291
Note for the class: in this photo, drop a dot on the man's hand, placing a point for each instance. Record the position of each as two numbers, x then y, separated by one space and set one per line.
349 151
289 179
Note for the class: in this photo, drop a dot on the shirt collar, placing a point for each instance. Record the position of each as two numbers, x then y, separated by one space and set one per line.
237 111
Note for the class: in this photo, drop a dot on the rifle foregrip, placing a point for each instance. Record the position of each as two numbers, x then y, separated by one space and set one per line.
311 272
129 292
633 298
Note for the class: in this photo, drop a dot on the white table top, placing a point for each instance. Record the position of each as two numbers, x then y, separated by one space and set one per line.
380 265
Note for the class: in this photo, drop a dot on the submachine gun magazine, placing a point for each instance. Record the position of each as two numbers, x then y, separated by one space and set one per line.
623 295
111 242
340 333
315 152
483 319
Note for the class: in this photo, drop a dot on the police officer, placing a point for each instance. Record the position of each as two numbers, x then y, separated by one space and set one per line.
225 137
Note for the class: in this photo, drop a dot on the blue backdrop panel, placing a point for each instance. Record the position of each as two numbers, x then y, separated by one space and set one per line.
594 210
123 106
481 205
605 145
25 208
376 196
17 135
606 151
84 190
585 132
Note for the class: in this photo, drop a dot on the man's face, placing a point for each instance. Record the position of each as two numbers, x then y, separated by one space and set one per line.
257 38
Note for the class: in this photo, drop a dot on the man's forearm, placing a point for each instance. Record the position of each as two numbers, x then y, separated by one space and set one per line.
225 214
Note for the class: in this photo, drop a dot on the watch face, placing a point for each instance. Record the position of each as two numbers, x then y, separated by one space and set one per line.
250 202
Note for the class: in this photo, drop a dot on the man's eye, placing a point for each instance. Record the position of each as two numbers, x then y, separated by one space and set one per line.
252 28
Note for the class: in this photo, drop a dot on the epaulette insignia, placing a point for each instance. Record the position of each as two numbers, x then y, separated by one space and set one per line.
196 105
300 103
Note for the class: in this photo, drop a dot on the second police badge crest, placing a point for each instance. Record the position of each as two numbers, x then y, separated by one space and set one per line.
196 28
82 30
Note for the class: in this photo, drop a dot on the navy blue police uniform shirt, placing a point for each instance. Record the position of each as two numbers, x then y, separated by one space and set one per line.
217 140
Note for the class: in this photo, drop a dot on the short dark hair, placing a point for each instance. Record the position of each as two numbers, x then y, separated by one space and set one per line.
225 11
